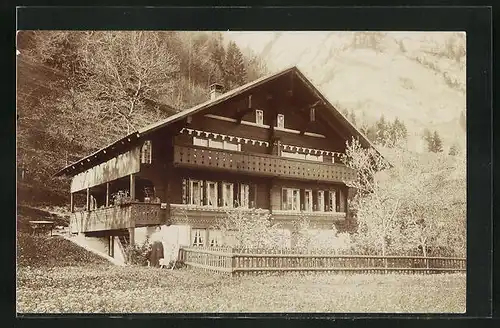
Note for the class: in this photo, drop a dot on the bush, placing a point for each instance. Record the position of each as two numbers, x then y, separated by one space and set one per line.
138 254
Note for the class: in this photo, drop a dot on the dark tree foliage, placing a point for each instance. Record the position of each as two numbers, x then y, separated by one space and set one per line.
453 150
433 140
81 89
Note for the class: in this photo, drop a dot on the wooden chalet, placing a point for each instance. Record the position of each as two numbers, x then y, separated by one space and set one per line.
273 144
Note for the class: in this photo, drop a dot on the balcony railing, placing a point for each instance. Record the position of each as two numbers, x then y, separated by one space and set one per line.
260 164
208 216
316 216
202 216
117 217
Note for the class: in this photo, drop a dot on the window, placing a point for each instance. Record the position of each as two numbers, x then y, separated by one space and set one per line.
195 192
214 238
308 200
280 122
211 193
332 201
259 117
231 146
227 194
293 155
198 237
312 114
146 152
317 158
200 142
321 200
215 144
244 195
291 199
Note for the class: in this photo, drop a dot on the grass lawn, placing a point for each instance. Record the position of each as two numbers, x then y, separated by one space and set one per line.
99 288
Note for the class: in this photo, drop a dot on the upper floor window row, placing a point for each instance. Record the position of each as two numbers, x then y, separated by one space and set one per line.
216 144
259 119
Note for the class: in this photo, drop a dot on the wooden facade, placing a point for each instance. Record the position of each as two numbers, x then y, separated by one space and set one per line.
275 144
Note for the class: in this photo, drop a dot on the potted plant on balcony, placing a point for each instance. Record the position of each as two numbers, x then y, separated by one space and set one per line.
121 198
148 193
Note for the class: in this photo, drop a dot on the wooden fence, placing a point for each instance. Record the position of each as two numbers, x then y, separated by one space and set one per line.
245 261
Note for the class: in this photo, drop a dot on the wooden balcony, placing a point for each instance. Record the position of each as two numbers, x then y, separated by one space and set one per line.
260 164
316 218
117 217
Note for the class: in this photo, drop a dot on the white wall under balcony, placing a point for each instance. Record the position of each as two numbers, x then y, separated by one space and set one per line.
173 234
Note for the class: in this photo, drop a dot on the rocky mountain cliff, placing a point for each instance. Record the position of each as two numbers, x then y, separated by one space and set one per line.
417 77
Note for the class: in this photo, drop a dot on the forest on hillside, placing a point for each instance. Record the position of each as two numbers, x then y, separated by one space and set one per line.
80 90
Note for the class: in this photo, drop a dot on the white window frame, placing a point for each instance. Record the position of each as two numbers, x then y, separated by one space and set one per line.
312 114
214 238
332 199
198 237
259 117
321 200
192 192
244 200
292 199
227 200
280 121
200 142
228 145
308 200
209 193
316 158
293 155
215 144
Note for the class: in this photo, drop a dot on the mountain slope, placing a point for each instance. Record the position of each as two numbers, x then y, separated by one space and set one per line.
418 77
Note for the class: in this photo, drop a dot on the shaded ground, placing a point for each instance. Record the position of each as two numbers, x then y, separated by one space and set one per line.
55 251
104 288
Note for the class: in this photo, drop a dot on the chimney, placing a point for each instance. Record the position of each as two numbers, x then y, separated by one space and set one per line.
216 90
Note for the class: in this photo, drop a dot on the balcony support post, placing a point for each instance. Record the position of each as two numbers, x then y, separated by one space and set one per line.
71 203
88 200
107 194
132 187
131 233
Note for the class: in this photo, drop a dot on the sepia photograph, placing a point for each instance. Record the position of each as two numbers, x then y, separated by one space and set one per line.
241 172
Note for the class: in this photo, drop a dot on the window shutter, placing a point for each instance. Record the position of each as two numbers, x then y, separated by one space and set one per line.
315 200
252 196
236 195
185 191
302 199
327 200
219 193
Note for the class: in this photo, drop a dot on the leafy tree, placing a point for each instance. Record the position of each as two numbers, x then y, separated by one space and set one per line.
397 133
397 209
375 211
250 229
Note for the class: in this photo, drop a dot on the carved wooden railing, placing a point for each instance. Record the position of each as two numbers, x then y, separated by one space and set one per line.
116 217
202 216
261 164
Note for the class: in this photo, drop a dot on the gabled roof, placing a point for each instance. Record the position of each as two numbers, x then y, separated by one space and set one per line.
210 103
